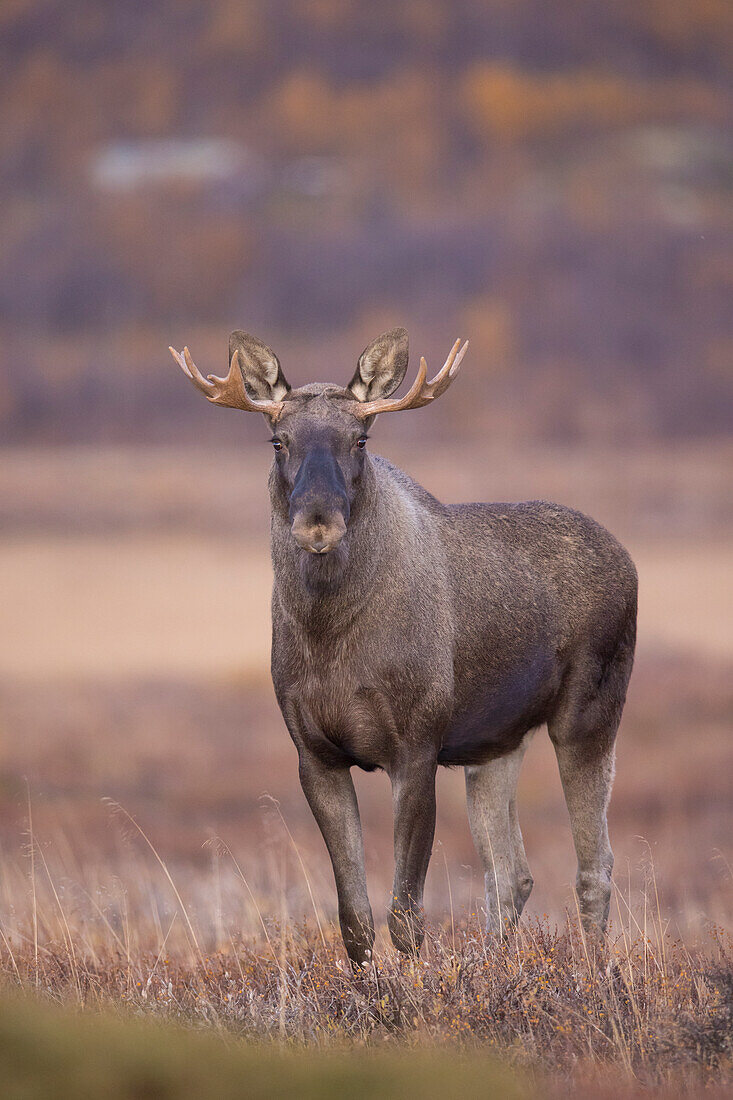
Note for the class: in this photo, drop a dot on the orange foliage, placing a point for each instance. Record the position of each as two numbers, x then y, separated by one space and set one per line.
508 104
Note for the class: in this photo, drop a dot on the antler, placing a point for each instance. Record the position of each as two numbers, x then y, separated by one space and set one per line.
229 391
421 392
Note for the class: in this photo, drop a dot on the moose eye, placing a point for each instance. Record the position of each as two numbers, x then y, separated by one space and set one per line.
277 444
362 442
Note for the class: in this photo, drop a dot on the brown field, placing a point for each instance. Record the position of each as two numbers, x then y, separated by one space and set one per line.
158 852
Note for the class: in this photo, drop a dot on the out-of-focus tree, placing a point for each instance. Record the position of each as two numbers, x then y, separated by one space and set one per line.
506 104
554 181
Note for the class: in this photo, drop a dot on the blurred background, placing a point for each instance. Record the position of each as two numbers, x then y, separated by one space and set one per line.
553 182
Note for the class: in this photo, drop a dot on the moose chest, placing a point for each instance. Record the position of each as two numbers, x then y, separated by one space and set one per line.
347 706
341 721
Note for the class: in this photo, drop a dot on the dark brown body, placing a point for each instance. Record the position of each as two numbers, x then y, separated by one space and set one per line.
408 634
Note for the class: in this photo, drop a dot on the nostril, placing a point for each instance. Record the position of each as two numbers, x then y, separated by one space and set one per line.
316 537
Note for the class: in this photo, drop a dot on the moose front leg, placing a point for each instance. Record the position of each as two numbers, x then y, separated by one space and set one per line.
413 793
332 799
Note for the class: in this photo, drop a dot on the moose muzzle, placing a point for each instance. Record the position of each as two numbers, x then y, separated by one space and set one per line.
319 505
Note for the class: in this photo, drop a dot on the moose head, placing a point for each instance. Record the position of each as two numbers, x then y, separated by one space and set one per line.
320 430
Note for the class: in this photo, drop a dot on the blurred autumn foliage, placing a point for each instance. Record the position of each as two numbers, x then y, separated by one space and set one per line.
553 181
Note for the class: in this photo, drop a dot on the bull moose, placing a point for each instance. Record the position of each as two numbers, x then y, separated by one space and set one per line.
407 634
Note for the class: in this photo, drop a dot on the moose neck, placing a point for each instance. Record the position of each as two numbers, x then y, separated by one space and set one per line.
323 593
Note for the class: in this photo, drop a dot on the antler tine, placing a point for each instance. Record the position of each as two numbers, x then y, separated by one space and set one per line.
230 391
189 368
181 362
447 372
421 392
195 374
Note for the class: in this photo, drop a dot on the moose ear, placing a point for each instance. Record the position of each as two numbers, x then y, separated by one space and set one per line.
263 376
381 366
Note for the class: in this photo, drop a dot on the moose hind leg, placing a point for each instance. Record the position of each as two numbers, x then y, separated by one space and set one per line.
523 881
587 777
492 814
583 732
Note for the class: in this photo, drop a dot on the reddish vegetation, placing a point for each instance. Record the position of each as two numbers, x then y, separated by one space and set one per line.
647 1012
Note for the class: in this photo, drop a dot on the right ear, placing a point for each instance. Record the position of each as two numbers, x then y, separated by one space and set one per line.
381 366
263 376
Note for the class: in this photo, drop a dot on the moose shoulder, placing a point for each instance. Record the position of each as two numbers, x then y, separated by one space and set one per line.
408 633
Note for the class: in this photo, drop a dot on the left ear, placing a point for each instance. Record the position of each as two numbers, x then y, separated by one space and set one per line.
381 366
261 368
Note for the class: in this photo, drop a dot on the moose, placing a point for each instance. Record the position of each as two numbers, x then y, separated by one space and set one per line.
408 634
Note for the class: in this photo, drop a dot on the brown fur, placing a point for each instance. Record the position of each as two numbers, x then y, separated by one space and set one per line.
430 634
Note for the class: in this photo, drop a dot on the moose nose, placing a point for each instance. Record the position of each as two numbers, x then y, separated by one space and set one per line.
319 506
318 537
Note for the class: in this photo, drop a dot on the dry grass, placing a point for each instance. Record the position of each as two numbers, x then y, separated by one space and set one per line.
644 1010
